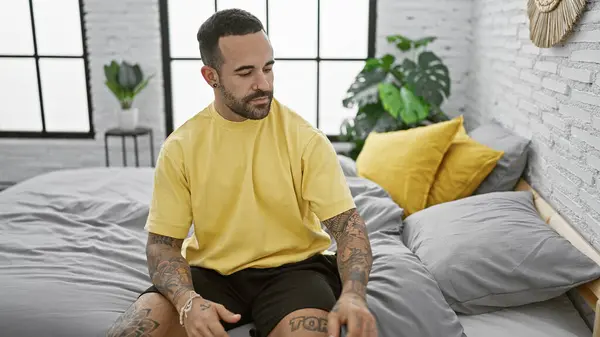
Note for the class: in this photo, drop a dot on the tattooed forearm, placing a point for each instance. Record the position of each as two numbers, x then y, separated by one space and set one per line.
169 271
354 250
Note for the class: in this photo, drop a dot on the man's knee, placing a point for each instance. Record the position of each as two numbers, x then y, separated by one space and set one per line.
304 322
150 315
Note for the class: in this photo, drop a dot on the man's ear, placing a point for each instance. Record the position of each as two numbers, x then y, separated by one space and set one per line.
210 76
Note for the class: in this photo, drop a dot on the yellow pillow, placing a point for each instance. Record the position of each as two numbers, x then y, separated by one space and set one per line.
405 162
466 164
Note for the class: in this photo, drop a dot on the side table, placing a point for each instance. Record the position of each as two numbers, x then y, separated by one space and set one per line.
134 133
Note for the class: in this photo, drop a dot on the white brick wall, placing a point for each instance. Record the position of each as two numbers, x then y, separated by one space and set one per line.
115 29
448 20
553 98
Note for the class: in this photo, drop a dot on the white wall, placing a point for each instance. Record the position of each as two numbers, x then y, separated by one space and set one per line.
115 29
549 95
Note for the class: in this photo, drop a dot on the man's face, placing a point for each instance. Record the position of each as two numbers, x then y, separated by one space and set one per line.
246 76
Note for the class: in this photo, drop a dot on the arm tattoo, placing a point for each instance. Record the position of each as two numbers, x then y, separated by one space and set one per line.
169 271
354 250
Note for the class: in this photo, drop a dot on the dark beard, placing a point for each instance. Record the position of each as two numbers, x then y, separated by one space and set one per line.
243 107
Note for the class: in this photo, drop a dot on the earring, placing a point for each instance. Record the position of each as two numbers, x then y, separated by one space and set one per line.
214 85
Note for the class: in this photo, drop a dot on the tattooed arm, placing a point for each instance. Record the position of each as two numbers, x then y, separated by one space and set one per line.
354 251
169 271
354 259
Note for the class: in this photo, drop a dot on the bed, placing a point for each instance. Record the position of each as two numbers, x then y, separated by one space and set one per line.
72 260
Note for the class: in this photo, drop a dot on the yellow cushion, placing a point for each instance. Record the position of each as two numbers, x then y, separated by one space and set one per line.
405 162
466 164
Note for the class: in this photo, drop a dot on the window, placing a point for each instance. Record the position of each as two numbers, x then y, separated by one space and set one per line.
319 48
43 61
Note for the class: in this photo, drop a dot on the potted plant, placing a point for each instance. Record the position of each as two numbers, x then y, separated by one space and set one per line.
125 81
396 93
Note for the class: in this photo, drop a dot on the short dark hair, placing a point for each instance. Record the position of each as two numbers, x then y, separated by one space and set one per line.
224 23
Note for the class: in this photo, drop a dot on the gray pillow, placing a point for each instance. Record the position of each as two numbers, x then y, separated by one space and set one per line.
494 251
402 295
348 166
510 167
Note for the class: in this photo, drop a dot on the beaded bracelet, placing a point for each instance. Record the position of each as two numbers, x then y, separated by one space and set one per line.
187 307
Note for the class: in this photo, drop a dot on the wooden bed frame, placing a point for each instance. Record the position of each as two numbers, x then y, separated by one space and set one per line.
589 291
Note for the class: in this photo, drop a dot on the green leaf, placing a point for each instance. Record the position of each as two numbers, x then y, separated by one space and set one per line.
371 64
403 43
139 76
436 115
413 110
397 73
368 117
371 117
115 89
111 71
366 79
424 41
387 61
390 98
142 85
429 78
127 76
365 120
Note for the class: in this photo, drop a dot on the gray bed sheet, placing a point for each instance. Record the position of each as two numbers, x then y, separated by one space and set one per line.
72 251
552 318
72 257
72 254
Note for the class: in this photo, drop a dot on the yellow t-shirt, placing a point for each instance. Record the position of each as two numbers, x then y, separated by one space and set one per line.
255 191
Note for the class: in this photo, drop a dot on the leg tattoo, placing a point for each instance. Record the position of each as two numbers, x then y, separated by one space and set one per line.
135 322
308 323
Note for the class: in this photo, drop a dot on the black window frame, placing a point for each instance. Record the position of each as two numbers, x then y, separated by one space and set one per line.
54 134
167 58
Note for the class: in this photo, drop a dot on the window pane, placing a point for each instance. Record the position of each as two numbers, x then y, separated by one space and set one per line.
335 78
58 27
344 35
20 108
15 28
293 28
190 91
185 18
64 95
257 7
295 86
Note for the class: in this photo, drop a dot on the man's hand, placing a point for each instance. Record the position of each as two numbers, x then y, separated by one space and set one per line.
351 310
203 320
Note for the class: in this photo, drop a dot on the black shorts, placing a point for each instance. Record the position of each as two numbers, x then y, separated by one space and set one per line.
265 296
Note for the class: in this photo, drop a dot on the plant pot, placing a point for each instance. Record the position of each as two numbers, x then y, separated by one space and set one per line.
128 118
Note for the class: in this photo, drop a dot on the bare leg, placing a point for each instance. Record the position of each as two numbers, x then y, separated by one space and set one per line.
302 323
152 315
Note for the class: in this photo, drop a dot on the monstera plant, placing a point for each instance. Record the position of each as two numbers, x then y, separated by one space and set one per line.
125 81
396 93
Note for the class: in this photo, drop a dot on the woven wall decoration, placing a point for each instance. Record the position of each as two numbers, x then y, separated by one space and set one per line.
550 21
